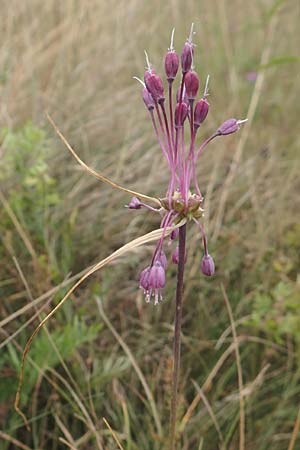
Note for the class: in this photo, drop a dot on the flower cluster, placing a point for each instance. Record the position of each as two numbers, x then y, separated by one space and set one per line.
183 199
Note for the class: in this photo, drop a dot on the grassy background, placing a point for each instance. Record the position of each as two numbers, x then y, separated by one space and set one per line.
76 60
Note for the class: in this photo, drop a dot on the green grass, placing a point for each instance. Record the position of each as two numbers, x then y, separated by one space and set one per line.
76 61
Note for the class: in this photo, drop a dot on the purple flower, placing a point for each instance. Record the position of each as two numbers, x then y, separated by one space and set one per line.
187 53
251 76
154 85
162 259
175 256
148 99
181 112
134 203
171 65
201 111
191 82
207 265
175 123
153 280
230 126
171 61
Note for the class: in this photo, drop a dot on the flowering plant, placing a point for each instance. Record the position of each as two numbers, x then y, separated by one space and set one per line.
181 155
176 124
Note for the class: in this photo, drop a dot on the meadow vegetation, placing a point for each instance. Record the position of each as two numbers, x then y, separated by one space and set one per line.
107 354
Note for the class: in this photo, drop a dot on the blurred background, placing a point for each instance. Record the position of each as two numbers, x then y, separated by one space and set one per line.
75 60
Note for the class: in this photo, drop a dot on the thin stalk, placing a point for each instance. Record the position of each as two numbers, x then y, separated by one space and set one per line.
177 336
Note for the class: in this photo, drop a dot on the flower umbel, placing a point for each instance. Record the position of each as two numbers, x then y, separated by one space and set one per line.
170 118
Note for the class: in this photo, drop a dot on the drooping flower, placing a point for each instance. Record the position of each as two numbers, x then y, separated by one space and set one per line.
207 265
152 281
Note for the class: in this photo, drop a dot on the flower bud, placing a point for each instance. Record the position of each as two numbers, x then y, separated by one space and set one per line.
187 56
157 276
171 65
174 234
134 203
201 111
162 259
155 86
148 99
191 82
157 281
230 126
181 112
144 277
184 96
175 256
207 265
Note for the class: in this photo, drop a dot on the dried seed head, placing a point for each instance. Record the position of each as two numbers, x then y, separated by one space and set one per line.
201 111
230 126
191 82
181 112
207 265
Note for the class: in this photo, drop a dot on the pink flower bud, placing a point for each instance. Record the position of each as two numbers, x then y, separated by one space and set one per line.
171 65
201 111
134 203
148 99
207 265
144 283
191 82
147 75
181 112
230 126
187 56
152 281
174 234
157 277
155 86
163 259
184 96
175 256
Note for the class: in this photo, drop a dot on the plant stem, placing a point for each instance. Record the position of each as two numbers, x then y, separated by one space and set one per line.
177 335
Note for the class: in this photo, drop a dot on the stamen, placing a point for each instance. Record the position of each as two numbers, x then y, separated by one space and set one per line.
239 122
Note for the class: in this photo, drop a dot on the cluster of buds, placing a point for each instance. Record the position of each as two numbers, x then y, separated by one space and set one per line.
183 199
